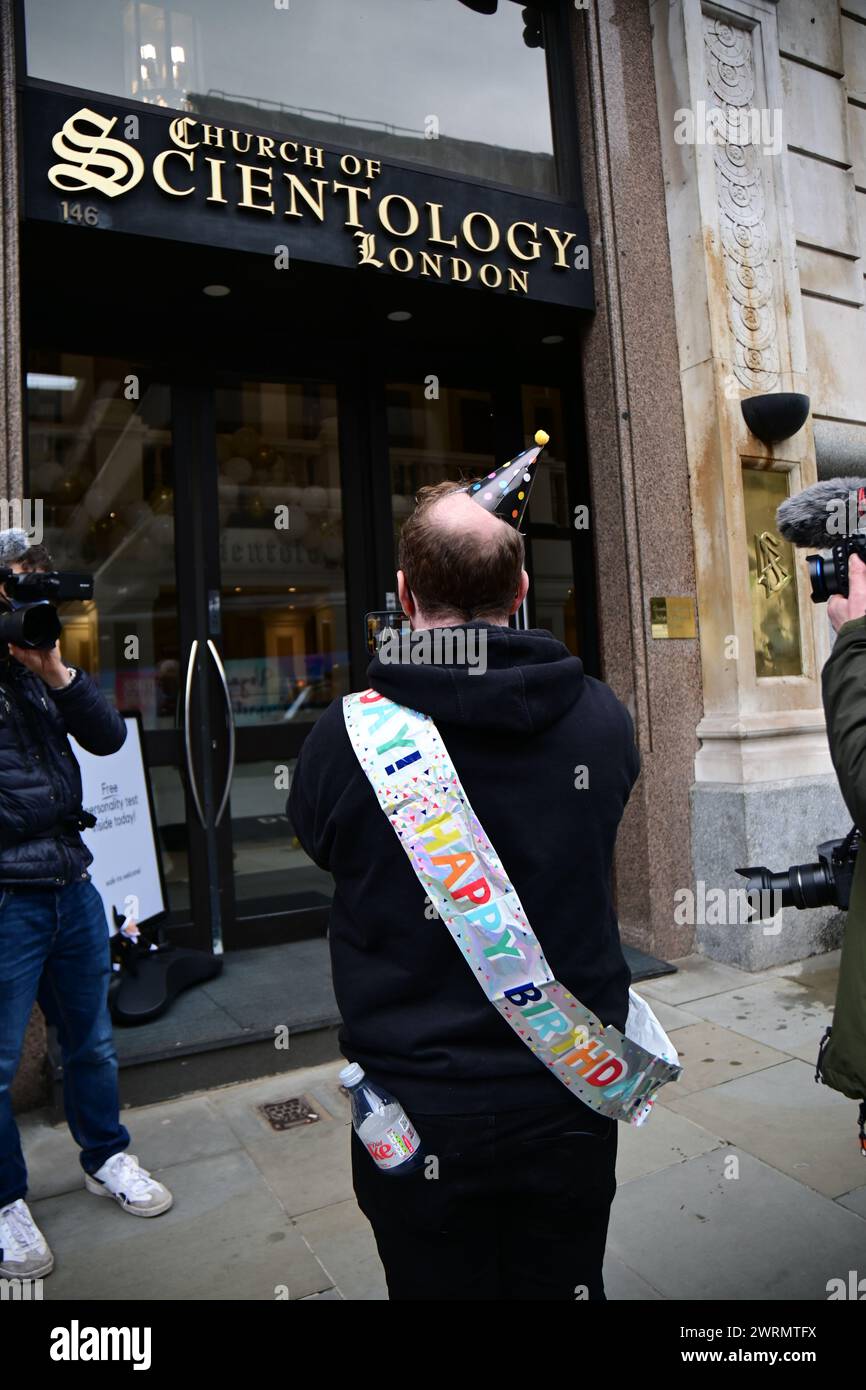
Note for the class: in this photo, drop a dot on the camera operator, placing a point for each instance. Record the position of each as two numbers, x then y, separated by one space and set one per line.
54 943
843 1061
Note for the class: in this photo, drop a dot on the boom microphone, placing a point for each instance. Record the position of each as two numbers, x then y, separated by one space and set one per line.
823 514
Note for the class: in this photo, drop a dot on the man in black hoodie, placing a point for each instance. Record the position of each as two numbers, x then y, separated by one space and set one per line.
514 1197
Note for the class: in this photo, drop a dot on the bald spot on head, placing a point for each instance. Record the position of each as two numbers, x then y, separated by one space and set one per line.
456 511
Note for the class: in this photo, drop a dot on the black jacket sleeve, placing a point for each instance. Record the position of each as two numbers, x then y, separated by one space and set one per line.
844 688
325 765
88 716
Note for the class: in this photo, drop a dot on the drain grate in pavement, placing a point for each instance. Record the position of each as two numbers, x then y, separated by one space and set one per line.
286 1114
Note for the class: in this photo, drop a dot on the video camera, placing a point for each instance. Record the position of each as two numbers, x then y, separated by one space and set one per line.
831 515
32 619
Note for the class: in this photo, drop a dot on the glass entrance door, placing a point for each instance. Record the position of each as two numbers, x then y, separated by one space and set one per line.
230 590
282 654
211 517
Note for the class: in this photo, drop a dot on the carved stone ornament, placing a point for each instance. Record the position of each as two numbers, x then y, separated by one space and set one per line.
740 192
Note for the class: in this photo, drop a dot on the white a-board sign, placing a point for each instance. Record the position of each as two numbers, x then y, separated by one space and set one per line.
126 866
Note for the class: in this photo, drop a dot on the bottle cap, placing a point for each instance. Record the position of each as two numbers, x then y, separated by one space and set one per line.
352 1074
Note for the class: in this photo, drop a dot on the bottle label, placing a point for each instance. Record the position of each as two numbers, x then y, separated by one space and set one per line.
399 1142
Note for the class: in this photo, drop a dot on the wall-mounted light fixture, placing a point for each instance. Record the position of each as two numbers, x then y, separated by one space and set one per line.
775 416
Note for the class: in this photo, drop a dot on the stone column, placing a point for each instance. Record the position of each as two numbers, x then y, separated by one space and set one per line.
764 790
637 460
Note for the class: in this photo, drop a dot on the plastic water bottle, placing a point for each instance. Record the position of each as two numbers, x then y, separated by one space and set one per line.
381 1123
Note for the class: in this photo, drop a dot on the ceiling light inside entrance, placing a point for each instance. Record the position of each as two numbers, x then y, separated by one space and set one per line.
399 315
216 291
46 381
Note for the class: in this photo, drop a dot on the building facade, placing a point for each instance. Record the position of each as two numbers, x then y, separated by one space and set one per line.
265 273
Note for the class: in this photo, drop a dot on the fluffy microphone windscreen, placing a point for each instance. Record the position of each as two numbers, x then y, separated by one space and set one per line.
823 514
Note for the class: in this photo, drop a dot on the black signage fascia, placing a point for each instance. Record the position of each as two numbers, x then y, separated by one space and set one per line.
560 275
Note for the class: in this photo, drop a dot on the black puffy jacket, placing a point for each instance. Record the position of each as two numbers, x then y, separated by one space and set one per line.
40 781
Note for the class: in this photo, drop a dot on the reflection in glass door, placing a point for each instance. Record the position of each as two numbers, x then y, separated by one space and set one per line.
101 462
283 608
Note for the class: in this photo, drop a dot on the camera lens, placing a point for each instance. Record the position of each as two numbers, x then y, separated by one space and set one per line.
36 626
804 885
825 578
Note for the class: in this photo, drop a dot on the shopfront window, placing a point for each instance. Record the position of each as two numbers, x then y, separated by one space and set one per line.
433 82
283 591
102 476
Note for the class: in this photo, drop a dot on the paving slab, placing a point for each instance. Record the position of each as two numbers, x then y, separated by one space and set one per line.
697 977
780 1013
670 1016
160 1136
854 1201
343 1239
621 1283
693 1234
665 1139
783 1117
308 1167
812 966
226 1237
51 1155
710 1055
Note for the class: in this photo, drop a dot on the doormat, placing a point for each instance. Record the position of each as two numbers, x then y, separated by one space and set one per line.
644 967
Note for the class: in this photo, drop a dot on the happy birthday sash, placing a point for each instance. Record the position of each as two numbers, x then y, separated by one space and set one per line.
417 786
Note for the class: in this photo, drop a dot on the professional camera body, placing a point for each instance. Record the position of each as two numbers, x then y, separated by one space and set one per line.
831 576
824 884
30 619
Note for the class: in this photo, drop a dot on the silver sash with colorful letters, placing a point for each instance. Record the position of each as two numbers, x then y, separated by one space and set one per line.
417 787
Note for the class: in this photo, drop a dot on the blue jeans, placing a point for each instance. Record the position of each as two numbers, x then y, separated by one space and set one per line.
54 947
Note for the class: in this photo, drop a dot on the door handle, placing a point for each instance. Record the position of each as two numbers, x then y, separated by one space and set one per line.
230 772
187 731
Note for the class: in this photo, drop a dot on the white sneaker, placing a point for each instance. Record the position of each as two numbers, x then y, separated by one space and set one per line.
24 1252
131 1186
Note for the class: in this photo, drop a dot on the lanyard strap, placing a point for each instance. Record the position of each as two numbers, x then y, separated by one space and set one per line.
416 785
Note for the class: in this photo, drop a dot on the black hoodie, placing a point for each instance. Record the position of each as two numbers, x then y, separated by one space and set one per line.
518 735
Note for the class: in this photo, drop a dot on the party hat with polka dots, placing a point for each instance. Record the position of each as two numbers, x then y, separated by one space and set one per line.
505 492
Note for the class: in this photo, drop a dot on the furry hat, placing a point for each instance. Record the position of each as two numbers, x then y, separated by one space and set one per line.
13 544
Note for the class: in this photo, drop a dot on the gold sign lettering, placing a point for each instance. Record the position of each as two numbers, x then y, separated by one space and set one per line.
493 230
316 206
511 240
159 171
352 191
248 188
385 215
560 241
216 180
436 226
93 158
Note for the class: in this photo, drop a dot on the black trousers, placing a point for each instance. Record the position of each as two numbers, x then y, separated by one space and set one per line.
511 1205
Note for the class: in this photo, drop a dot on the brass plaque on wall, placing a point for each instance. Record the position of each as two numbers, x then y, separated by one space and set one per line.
772 577
673 616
